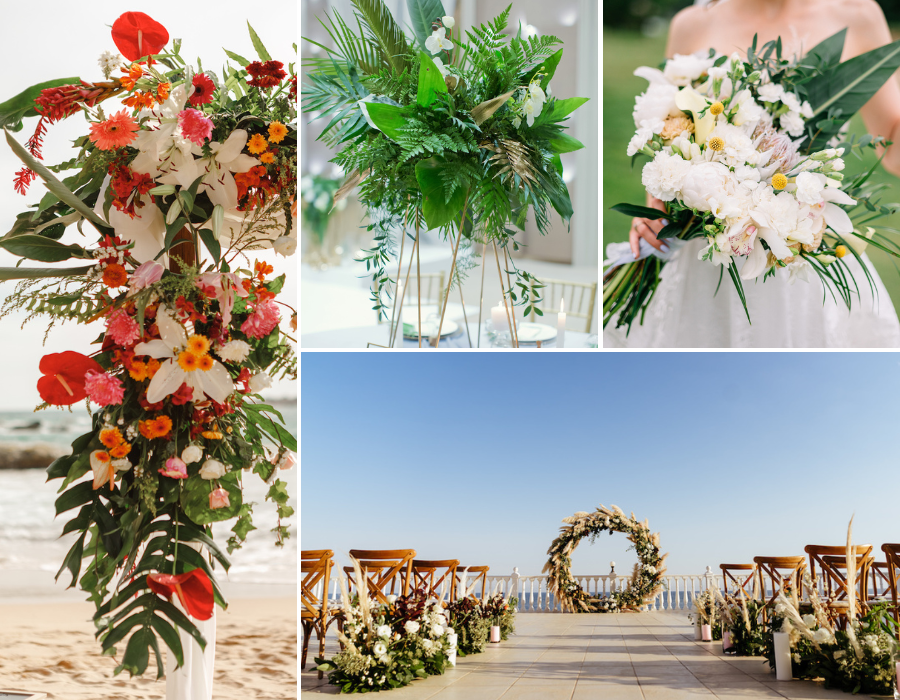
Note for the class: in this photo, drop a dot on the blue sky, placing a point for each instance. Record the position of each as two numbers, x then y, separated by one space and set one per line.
479 456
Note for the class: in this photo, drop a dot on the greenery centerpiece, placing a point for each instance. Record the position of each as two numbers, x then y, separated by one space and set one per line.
444 132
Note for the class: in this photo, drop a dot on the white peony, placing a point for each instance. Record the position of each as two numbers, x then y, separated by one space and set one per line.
771 92
683 70
191 454
662 177
822 636
259 381
234 351
212 469
793 123
411 627
705 186
657 103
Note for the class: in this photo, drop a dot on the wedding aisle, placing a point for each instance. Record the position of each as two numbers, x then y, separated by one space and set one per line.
650 656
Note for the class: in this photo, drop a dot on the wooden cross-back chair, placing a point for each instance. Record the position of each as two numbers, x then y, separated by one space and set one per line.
831 561
433 289
436 577
892 559
384 569
879 582
315 616
473 574
782 572
742 576
580 300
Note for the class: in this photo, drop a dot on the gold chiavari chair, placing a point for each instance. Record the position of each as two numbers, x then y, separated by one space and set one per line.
315 616
433 288
580 298
742 580
435 577
892 559
831 560
784 573
383 569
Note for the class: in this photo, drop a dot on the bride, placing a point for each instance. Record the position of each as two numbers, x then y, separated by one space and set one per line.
685 312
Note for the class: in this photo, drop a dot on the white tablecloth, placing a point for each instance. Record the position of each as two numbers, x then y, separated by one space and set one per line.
360 336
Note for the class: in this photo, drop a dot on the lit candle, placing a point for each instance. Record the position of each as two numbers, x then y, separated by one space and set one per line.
561 325
498 317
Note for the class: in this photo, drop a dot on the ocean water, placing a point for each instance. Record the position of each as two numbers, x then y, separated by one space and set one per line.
31 549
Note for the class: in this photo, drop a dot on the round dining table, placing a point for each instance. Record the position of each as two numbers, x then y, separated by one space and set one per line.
375 336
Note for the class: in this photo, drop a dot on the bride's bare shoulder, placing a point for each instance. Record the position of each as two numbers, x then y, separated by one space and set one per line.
685 27
861 14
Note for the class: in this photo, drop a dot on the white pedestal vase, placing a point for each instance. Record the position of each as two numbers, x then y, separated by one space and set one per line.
783 669
194 680
453 638
697 633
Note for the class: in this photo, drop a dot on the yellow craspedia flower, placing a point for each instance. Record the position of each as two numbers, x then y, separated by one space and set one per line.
716 143
198 344
277 131
841 251
779 181
716 108
257 144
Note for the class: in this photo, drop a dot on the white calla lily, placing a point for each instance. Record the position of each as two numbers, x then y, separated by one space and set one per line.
689 100
215 382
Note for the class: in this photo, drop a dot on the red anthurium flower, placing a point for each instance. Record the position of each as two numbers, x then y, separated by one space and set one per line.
137 35
63 380
193 589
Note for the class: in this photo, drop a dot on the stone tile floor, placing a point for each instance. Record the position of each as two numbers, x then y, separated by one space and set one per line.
649 656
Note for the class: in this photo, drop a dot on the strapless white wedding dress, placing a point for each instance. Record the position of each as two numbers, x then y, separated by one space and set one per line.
685 313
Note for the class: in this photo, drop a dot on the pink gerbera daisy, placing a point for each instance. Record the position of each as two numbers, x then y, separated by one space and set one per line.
122 328
263 319
194 126
103 389
117 131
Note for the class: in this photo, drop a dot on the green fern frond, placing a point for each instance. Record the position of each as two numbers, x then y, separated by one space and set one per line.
383 32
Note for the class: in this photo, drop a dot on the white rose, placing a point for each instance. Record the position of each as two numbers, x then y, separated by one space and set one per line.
448 22
663 176
259 381
823 636
234 351
285 246
384 631
809 621
411 627
191 454
437 631
391 599
212 469
380 649
683 70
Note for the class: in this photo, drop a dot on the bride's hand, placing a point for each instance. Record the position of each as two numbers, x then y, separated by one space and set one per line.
647 229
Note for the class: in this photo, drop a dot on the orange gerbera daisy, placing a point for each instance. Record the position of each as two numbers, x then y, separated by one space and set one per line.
146 427
117 131
205 362
257 144
267 157
110 437
115 275
120 451
155 427
188 361
198 344
163 426
277 132
138 370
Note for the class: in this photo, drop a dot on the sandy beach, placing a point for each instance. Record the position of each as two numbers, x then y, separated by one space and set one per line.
49 647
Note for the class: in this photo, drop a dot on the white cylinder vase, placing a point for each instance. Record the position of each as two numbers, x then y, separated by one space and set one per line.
783 670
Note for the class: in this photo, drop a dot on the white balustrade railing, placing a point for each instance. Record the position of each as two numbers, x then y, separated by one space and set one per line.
677 593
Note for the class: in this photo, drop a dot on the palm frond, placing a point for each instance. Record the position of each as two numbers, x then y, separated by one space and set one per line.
383 32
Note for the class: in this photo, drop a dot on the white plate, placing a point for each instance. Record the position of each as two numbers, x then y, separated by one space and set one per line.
429 328
534 332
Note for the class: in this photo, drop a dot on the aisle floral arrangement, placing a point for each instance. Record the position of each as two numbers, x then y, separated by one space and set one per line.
386 646
178 185
749 155
443 131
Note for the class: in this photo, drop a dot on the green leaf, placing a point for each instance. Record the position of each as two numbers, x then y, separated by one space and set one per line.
557 110
422 13
237 58
76 496
384 33
389 119
212 245
169 636
258 45
431 82
36 247
137 652
437 210
828 51
72 562
30 273
22 105
548 66
563 143
55 186
557 164
561 201
195 499
639 211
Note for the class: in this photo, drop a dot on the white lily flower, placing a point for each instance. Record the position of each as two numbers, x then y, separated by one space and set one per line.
438 41
214 382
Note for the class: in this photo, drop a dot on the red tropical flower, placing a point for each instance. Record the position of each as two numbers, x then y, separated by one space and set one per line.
203 90
137 35
64 377
193 589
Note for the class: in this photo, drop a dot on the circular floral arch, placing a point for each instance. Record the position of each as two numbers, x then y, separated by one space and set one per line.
645 581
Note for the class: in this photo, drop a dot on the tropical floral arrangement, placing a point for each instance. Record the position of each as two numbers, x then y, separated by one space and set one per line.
442 131
180 185
749 155
317 193
386 646
646 578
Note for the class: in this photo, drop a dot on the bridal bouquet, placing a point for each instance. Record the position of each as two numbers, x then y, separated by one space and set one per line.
169 193
750 156
441 131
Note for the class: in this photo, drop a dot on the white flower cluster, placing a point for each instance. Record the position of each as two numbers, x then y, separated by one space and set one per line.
108 62
529 102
